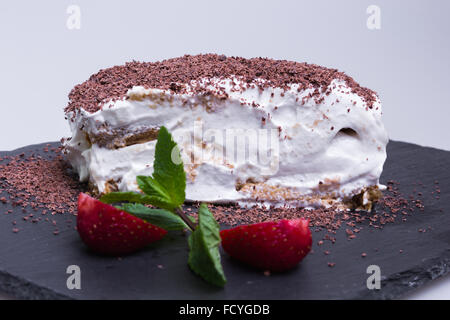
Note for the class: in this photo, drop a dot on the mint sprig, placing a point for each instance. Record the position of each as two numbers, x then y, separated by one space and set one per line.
165 189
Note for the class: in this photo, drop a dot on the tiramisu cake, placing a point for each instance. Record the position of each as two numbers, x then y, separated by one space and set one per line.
251 131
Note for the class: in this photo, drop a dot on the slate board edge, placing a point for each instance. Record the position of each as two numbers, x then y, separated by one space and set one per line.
23 289
403 283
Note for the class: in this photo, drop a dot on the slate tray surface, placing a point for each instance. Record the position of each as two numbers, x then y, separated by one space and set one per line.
33 262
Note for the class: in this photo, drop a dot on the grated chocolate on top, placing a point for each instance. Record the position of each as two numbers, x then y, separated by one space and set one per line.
113 83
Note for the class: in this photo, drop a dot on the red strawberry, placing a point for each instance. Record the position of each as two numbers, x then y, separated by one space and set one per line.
108 230
274 246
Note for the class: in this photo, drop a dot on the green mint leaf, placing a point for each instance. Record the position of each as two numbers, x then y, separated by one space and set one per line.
151 187
204 256
128 196
154 189
158 217
168 168
135 197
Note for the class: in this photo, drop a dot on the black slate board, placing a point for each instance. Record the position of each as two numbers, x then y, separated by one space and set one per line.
33 262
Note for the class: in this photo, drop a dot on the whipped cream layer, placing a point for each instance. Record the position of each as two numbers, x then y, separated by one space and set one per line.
273 146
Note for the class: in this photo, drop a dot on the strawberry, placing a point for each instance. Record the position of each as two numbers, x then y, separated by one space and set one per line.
105 229
273 246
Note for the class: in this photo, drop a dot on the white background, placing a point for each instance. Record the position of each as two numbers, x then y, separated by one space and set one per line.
406 61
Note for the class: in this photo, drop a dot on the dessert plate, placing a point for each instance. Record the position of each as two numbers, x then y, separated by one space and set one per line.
34 261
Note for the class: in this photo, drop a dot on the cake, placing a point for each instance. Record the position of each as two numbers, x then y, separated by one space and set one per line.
251 131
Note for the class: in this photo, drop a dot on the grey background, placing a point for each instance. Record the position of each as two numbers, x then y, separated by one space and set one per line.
406 62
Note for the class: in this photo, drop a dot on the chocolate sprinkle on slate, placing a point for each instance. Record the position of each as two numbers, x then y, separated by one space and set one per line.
392 207
113 83
34 182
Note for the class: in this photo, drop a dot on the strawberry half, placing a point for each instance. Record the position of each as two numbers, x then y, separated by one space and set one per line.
107 230
273 246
